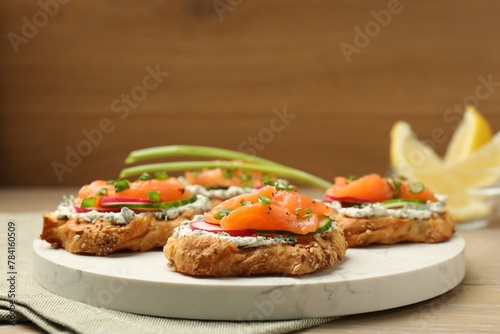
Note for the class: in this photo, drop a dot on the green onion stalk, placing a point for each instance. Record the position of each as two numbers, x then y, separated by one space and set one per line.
197 151
252 163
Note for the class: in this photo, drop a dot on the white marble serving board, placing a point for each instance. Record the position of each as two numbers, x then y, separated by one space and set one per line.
368 279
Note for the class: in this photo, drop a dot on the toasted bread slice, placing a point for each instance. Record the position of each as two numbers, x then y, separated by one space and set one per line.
390 230
213 256
104 233
103 237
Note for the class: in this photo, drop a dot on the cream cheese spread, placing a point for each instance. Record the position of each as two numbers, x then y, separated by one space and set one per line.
185 229
66 210
379 210
222 193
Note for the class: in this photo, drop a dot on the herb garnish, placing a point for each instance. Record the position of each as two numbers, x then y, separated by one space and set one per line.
222 213
303 213
264 200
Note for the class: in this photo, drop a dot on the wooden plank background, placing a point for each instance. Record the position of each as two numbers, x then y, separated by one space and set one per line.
234 65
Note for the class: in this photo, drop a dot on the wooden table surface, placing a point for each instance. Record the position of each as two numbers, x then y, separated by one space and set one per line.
473 306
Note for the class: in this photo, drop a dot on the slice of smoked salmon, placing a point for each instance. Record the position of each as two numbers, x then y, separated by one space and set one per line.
91 189
372 188
269 218
224 178
297 200
170 189
375 188
416 190
208 178
339 182
235 202
287 211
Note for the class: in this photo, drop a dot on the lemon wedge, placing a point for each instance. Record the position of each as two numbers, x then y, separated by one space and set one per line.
472 161
480 168
417 161
472 132
408 153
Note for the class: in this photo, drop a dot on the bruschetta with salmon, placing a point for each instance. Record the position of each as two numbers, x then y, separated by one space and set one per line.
107 216
373 209
274 230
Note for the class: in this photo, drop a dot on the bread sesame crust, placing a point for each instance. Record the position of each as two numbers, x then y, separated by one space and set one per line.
211 256
103 237
361 232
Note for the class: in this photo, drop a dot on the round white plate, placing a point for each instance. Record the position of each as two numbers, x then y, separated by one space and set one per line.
368 279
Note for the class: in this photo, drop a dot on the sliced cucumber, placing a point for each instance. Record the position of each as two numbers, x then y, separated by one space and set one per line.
324 225
403 202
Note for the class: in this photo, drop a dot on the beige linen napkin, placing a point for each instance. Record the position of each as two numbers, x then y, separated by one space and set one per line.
56 314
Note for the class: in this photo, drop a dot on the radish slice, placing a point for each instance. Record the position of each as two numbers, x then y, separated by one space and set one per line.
204 226
83 210
110 201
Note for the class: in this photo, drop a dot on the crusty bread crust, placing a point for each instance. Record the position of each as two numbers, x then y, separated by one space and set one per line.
103 237
389 230
211 256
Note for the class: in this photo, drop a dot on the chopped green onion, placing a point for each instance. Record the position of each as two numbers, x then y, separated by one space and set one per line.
397 188
228 173
222 213
88 202
269 183
303 213
267 176
245 203
352 177
161 175
264 200
195 172
101 192
279 184
144 177
111 181
245 176
248 184
416 187
121 185
154 196
283 171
